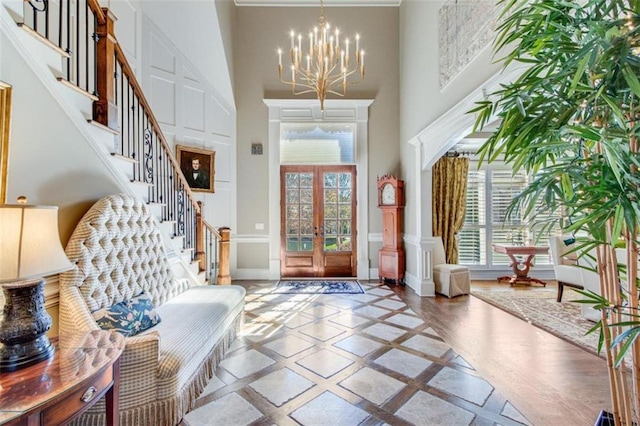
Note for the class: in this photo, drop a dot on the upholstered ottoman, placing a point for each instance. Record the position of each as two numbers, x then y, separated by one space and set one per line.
451 280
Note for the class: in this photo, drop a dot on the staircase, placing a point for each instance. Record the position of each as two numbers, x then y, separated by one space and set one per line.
71 46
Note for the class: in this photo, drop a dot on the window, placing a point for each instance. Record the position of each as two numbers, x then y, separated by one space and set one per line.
317 143
489 193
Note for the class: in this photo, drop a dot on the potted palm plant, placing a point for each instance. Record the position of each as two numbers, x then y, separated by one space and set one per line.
572 121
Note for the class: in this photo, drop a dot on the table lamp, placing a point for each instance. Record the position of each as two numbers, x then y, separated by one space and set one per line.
29 249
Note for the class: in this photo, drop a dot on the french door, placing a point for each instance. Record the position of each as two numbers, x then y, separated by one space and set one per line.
318 221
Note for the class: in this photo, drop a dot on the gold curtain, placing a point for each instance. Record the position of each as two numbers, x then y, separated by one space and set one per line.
449 201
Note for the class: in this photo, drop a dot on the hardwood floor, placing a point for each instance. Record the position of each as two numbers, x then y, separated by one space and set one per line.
550 381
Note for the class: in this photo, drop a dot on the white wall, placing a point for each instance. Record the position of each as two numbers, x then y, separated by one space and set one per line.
422 101
192 26
177 51
258 34
191 113
50 160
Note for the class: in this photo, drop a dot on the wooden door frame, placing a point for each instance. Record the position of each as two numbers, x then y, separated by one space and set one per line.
319 255
305 111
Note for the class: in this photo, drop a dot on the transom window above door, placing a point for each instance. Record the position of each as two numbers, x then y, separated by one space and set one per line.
317 143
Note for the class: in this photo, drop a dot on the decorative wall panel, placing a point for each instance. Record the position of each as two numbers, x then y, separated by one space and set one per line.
126 27
223 168
465 28
163 100
193 107
219 120
188 75
161 58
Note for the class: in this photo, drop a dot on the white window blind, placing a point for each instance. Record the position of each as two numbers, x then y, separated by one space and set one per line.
473 238
489 193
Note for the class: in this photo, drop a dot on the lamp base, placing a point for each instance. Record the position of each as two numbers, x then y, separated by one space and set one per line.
24 324
15 357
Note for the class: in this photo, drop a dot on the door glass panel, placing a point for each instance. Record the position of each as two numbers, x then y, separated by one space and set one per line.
345 211
345 180
292 211
292 244
292 196
292 227
345 196
330 180
306 227
306 196
293 180
344 243
330 211
306 180
337 204
299 208
306 244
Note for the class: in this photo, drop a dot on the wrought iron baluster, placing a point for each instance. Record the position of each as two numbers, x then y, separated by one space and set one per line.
77 36
86 47
95 38
68 34
148 141
37 7
180 212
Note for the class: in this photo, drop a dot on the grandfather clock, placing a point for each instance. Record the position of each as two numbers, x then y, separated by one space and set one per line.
391 260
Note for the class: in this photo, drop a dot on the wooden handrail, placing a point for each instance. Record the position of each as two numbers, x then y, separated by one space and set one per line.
97 11
211 229
133 81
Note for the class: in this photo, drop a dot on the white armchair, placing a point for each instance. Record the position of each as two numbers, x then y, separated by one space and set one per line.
450 280
571 270
565 264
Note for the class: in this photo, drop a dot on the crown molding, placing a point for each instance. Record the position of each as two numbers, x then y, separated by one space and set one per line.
316 3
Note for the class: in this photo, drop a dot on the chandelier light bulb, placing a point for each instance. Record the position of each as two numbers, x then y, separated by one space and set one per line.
328 67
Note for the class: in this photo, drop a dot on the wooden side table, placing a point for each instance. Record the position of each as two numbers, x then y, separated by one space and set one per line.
521 266
85 367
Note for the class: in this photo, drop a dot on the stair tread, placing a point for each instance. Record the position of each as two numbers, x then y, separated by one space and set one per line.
77 89
43 39
139 182
124 158
103 127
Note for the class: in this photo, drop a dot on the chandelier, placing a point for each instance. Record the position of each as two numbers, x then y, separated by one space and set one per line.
327 66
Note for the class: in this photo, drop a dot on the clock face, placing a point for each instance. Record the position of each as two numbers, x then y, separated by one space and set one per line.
388 194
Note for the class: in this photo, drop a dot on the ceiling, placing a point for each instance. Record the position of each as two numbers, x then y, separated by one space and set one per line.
316 3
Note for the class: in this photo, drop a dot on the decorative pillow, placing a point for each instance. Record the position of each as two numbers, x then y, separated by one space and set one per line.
145 311
128 317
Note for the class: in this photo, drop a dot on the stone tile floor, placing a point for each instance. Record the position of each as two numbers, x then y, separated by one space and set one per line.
344 360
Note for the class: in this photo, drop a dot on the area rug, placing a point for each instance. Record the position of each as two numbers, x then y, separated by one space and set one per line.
538 306
318 287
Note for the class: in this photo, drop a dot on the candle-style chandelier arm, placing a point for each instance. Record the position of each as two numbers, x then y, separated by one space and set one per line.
326 67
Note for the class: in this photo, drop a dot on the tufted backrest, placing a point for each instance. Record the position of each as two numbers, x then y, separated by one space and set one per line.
118 253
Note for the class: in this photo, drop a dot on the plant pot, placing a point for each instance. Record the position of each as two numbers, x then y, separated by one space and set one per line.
605 419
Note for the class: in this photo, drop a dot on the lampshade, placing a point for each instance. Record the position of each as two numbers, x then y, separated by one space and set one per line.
29 242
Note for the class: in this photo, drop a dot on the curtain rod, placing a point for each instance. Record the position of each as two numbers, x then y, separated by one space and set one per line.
456 154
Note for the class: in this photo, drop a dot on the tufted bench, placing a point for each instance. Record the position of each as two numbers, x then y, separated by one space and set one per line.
118 253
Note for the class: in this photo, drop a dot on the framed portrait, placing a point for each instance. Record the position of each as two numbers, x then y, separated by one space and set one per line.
5 120
198 166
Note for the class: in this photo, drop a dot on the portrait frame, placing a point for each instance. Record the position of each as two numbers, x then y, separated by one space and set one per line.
5 122
185 156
